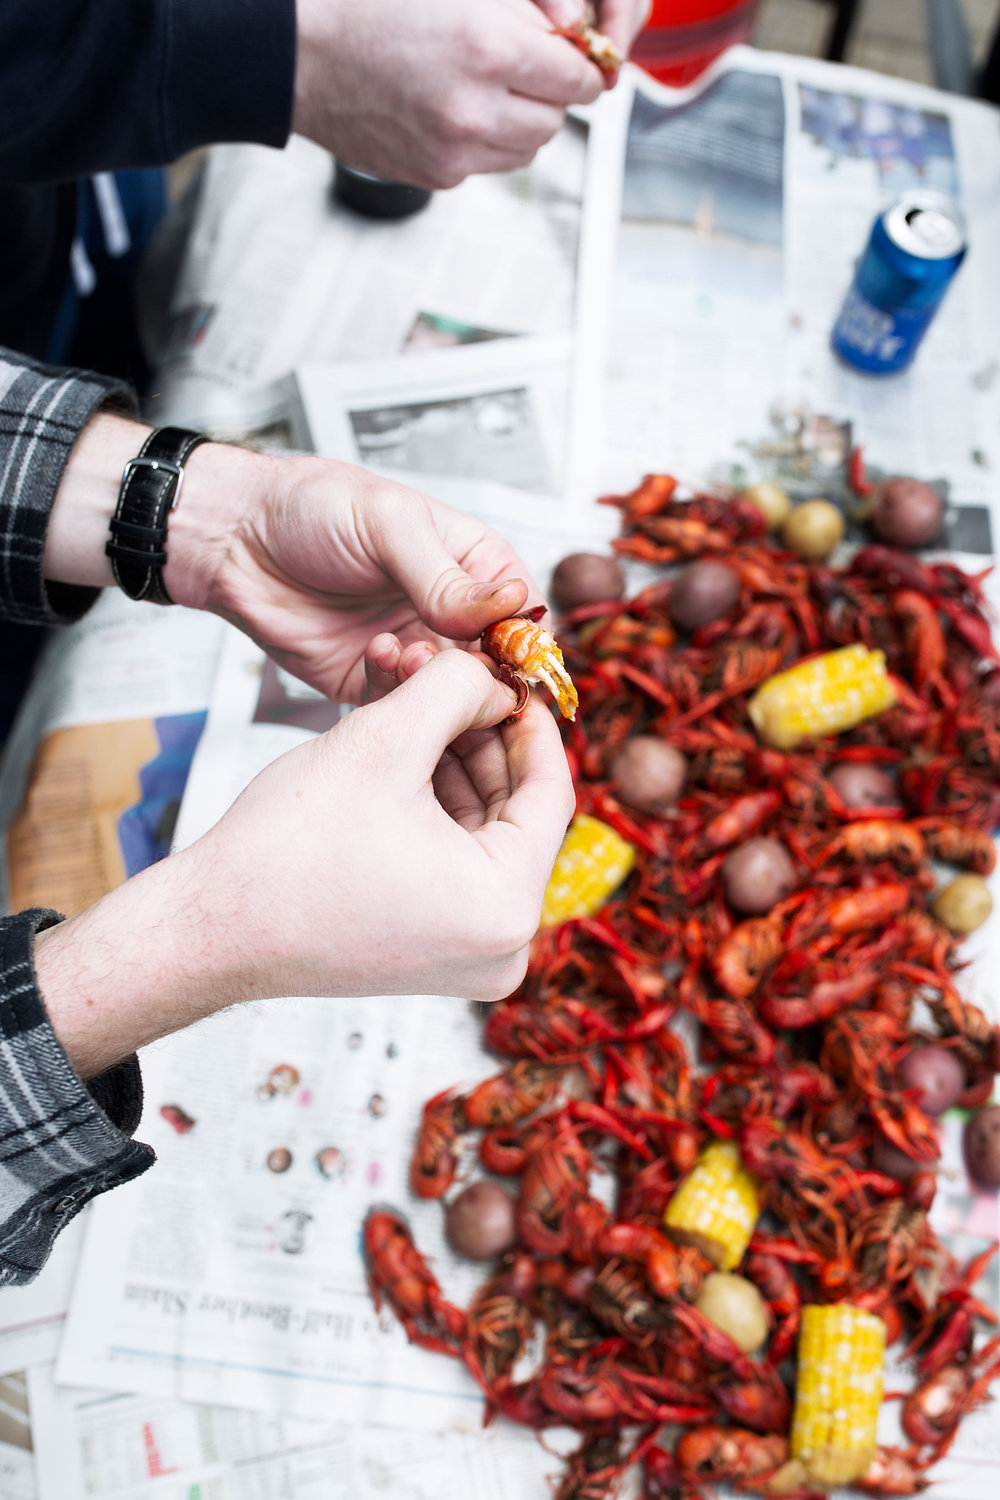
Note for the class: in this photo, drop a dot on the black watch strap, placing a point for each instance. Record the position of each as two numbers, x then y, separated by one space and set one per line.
150 488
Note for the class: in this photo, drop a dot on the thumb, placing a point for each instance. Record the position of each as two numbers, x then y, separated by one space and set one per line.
448 599
451 693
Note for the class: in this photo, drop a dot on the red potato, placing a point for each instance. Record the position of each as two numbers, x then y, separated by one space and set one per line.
758 875
648 774
586 578
981 1143
895 1163
702 592
860 785
480 1222
937 1076
907 513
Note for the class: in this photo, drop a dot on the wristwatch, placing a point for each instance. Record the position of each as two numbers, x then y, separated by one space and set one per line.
150 488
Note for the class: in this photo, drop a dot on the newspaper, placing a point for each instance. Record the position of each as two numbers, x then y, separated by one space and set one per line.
277 273
721 229
103 1446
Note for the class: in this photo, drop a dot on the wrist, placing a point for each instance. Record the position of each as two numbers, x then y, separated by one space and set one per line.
224 488
85 501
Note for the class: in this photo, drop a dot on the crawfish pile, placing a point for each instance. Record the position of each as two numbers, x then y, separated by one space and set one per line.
800 1014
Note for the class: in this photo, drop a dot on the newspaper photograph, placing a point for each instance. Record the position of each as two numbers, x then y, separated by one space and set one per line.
494 409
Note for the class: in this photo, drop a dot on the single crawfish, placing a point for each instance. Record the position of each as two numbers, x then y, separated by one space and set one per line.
874 841
955 844
527 654
398 1272
592 1470
747 1459
435 1155
932 1412
500 1323
511 1096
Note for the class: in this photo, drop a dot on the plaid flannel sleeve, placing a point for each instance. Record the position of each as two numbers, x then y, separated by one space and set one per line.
61 1142
42 413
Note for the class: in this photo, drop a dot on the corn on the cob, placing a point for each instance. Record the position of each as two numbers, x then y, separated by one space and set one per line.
838 1392
716 1207
592 863
822 695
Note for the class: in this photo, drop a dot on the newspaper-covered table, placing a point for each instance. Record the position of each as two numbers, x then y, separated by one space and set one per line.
721 230
277 273
701 348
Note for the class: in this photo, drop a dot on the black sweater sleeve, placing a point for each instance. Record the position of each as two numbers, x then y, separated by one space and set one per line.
98 85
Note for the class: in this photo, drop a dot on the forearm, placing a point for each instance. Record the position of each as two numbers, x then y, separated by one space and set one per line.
89 88
153 956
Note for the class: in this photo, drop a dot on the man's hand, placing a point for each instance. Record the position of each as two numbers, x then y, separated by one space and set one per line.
404 852
428 93
314 559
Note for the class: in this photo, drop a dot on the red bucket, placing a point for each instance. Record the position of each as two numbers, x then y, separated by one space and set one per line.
682 37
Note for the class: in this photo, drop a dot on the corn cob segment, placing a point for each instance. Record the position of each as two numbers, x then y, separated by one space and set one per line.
838 1392
823 695
716 1207
591 864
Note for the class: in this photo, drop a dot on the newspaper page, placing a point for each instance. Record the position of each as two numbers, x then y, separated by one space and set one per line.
721 229
32 1317
276 272
497 410
103 1446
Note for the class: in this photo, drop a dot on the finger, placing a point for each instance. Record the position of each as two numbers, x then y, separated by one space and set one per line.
457 794
542 800
414 726
413 657
555 70
382 656
447 598
483 756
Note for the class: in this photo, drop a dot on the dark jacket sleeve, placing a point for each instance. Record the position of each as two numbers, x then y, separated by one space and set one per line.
42 413
61 1142
97 85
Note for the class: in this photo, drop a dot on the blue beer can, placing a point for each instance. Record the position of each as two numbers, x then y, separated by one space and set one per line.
915 248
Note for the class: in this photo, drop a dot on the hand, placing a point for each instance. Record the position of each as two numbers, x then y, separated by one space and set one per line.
621 20
314 559
317 561
406 851
428 93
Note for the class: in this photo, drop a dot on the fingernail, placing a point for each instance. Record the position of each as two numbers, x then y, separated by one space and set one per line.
416 657
482 593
